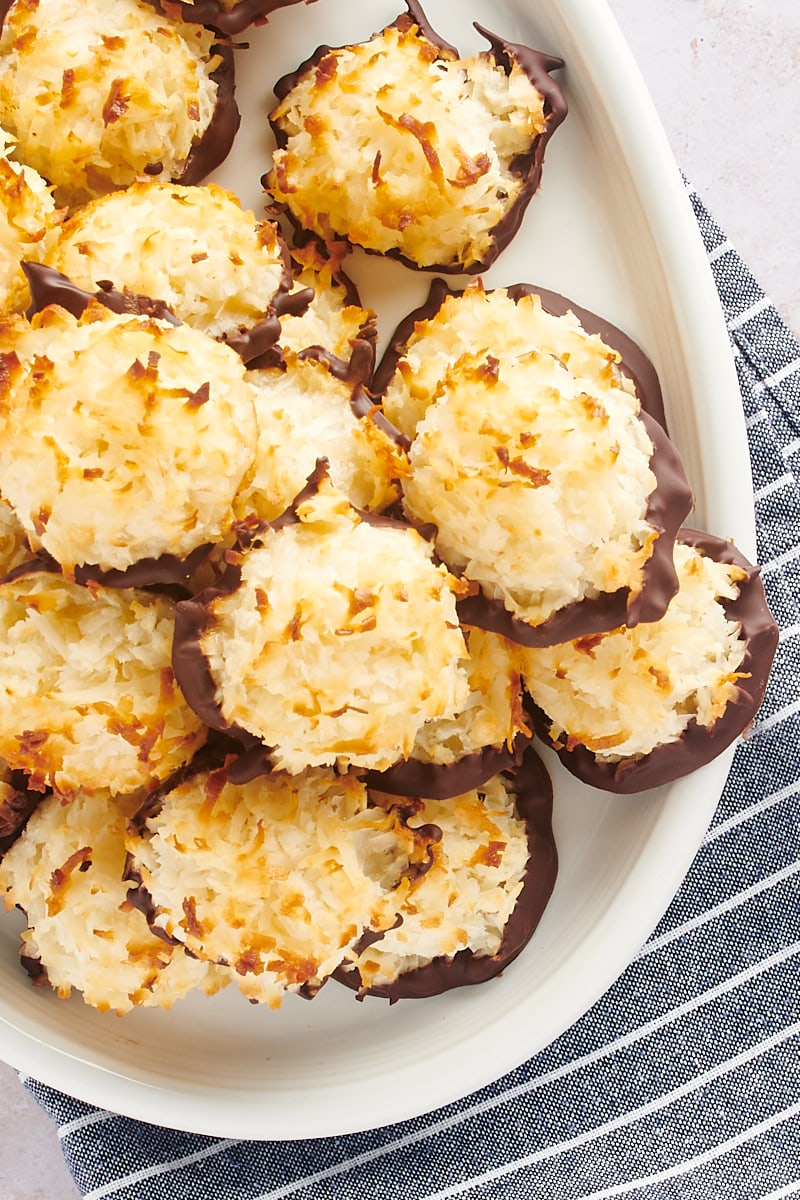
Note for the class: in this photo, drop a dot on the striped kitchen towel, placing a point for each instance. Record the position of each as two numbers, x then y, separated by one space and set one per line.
684 1079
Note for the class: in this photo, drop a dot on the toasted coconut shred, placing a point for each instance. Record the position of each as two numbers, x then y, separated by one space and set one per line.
28 223
624 693
65 872
464 900
303 411
277 878
87 695
195 248
537 480
96 92
13 543
340 642
332 319
492 715
396 144
122 438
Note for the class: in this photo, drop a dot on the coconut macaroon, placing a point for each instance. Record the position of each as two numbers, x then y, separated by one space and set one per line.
489 734
332 639
538 478
98 92
276 878
403 148
334 318
314 406
504 322
65 872
634 708
470 913
124 439
28 222
88 698
214 265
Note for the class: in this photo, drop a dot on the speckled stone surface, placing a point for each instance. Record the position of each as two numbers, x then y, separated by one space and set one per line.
723 75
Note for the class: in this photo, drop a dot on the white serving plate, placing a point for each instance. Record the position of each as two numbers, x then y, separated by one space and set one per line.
611 228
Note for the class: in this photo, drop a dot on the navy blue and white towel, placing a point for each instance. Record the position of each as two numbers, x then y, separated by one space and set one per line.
684 1080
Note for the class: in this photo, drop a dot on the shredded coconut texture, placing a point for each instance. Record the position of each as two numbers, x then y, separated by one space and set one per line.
95 91
537 479
624 693
303 411
87 695
340 642
121 438
395 144
332 319
276 878
28 223
465 899
493 713
13 543
65 871
195 248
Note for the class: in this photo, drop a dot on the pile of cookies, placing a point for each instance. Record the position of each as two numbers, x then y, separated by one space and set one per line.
281 624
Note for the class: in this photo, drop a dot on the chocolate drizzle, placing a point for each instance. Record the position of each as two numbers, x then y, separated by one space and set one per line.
534 797
49 286
698 744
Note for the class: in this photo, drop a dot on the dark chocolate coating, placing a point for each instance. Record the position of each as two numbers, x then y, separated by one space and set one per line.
49 286
166 575
534 63
667 508
635 363
534 794
16 810
214 145
698 745
442 781
228 21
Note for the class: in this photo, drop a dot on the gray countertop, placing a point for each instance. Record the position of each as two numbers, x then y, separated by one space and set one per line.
725 83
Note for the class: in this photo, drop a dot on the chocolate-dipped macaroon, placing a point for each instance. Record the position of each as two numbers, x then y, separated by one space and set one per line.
88 699
195 248
636 708
275 878
406 149
99 92
549 488
123 439
332 638
467 917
